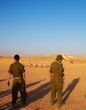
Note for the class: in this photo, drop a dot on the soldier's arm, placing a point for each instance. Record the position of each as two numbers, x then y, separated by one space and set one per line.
24 76
62 70
23 71
10 70
10 73
51 73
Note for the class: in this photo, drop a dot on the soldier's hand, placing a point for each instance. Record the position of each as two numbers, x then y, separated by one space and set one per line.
8 83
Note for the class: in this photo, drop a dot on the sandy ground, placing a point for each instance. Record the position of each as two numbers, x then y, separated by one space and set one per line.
38 85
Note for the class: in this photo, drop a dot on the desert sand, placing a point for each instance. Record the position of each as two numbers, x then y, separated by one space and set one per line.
38 83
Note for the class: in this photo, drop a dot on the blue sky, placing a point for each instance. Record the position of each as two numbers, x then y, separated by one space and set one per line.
33 27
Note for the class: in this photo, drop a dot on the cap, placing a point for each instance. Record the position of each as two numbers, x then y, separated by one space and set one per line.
59 57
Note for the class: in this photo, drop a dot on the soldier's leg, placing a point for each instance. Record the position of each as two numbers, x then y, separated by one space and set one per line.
14 93
22 92
59 96
25 93
53 93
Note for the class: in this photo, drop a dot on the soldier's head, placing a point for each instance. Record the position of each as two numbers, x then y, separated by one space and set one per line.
59 58
16 57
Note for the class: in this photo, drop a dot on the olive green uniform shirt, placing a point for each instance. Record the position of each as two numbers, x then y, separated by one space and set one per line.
57 70
16 69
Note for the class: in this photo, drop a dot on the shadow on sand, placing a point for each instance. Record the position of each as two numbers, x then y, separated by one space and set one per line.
34 95
41 91
7 92
69 89
3 80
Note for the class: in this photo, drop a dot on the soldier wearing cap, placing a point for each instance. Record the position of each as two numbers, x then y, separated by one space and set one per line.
18 72
56 77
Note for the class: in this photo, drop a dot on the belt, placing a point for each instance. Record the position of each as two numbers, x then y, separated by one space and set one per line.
17 78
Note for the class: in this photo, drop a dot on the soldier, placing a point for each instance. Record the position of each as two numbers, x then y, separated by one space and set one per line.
56 78
18 72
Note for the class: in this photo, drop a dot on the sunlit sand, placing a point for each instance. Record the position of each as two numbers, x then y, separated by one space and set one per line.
38 84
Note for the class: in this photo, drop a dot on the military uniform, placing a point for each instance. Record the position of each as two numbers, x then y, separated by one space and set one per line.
57 70
17 70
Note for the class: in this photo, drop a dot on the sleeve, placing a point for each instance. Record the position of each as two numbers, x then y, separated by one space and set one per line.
23 69
10 70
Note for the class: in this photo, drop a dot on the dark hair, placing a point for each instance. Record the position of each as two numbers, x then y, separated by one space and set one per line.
16 57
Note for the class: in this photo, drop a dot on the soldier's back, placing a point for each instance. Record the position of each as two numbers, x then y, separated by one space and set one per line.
17 69
57 68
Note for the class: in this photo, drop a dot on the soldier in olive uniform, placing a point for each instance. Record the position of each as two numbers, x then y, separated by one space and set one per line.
56 77
18 72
